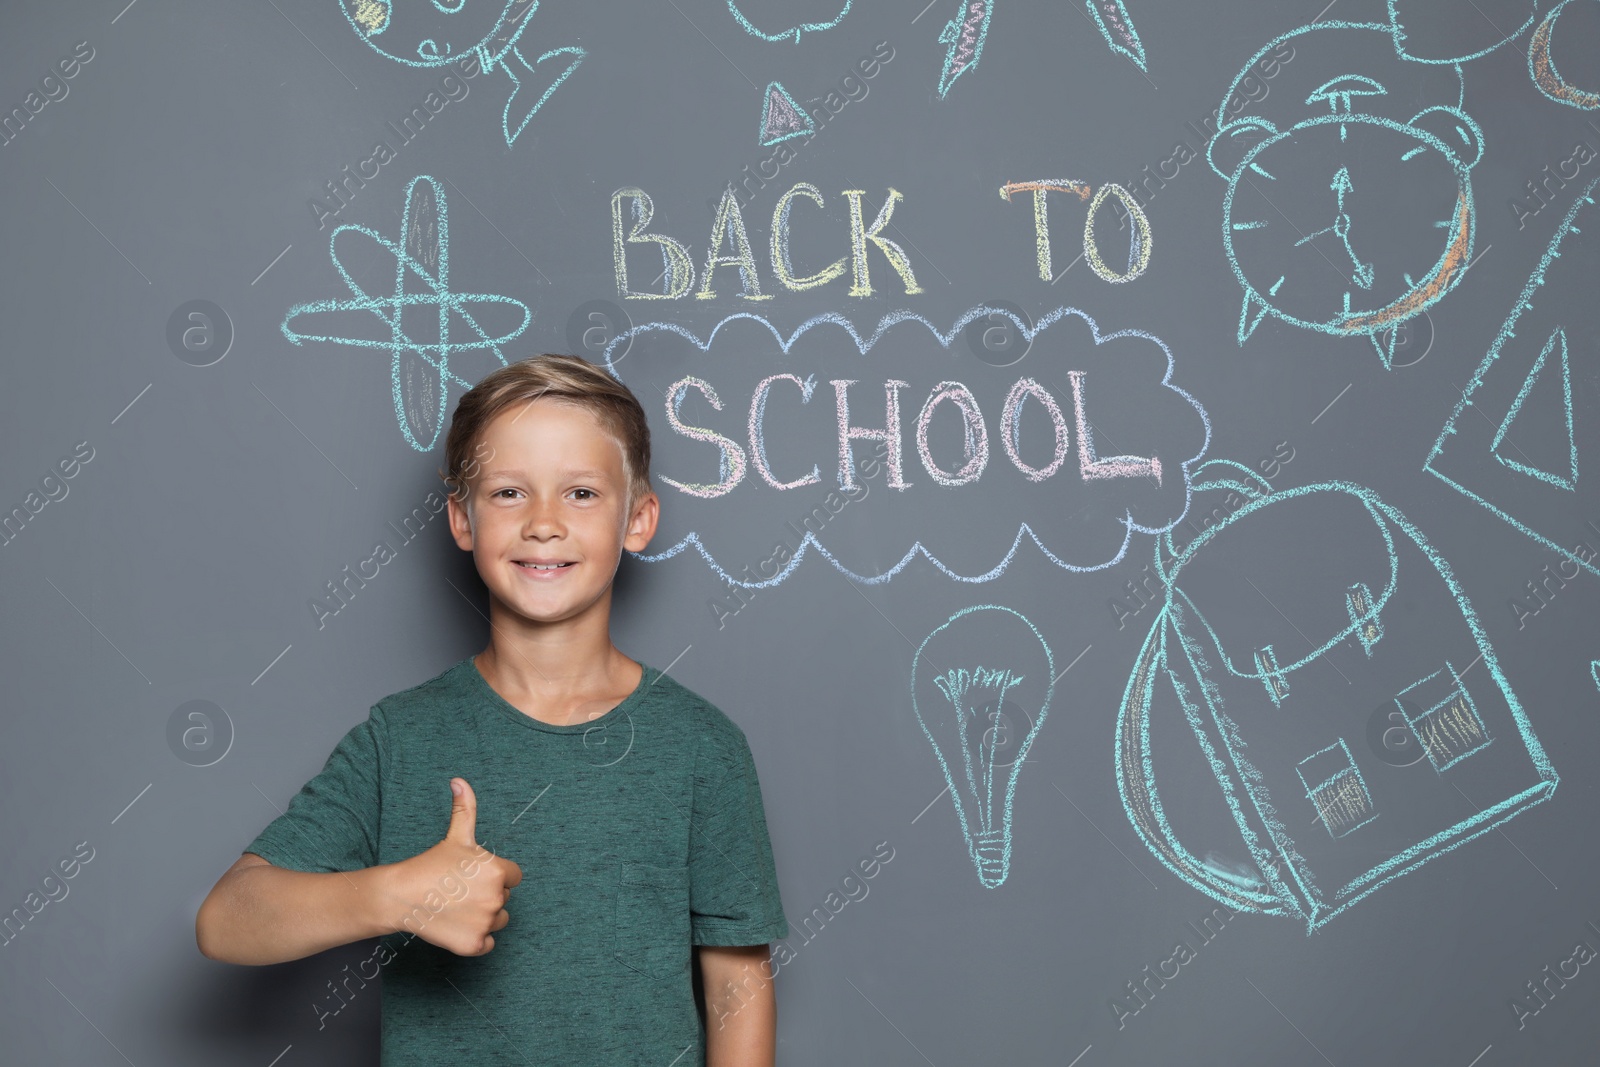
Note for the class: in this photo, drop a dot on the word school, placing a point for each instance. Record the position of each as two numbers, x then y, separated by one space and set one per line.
736 461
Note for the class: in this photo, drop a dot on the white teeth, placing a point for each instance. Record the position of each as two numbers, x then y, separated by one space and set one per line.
542 566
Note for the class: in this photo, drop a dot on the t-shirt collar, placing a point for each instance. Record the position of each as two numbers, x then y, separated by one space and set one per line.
480 687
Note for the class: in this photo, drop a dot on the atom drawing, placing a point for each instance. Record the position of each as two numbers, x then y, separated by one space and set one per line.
420 349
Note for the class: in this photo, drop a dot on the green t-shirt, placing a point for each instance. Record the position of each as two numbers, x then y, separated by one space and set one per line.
639 834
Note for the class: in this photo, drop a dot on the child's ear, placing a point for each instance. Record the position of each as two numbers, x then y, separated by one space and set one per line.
1456 129
1233 142
460 521
642 524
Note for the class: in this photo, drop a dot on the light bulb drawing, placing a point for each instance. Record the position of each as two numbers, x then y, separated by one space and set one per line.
973 681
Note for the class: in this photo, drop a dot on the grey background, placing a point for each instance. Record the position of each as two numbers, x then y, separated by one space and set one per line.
219 500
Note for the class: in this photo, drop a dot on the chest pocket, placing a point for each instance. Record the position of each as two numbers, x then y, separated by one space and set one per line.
652 920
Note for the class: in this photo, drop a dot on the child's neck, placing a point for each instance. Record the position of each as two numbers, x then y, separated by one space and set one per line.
561 691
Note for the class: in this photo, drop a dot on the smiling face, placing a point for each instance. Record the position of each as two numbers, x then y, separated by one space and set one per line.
427 33
547 518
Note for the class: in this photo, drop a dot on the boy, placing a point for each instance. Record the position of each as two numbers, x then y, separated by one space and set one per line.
604 818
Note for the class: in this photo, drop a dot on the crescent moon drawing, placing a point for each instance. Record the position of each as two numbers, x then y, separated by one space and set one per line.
1542 68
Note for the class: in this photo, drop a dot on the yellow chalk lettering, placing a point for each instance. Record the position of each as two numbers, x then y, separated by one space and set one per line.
677 267
860 235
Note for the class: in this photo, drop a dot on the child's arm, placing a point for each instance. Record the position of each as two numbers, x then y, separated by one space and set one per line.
258 913
741 1011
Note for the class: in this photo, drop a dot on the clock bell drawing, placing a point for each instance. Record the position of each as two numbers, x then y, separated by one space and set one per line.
1269 666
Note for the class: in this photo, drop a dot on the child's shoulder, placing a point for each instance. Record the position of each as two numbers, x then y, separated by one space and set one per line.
688 705
441 686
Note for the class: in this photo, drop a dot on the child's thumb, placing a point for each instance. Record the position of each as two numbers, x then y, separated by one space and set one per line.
463 813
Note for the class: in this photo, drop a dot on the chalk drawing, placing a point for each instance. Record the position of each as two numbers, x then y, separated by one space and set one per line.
1092 468
728 227
1260 244
1114 466
1383 83
419 368
1442 31
781 117
1542 67
1117 28
1345 164
732 460
1140 240
1041 212
782 265
793 32
676 266
434 33
1450 727
969 679
975 446
1435 31
964 35
1340 794
1569 479
1321 222
1187 673
860 234
1523 388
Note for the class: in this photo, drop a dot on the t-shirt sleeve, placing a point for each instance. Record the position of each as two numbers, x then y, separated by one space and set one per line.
332 823
733 883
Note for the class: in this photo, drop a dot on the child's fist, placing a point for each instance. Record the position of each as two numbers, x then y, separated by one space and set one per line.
454 895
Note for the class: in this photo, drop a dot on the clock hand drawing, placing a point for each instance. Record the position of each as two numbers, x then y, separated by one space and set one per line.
1341 228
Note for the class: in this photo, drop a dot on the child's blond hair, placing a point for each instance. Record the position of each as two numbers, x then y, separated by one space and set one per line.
568 379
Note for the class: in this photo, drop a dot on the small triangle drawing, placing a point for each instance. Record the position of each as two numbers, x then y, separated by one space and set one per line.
1556 344
781 117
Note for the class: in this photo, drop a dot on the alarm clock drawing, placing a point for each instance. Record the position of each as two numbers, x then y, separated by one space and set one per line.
431 33
1350 223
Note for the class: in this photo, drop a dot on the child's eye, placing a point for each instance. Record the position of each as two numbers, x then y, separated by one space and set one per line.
591 493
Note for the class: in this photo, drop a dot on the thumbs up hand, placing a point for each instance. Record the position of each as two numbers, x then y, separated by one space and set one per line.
454 895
